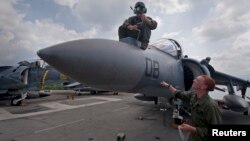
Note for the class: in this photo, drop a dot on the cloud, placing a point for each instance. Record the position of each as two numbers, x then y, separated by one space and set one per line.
7 11
106 15
20 39
228 27
170 6
219 29
235 61
172 35
228 20
70 3
102 14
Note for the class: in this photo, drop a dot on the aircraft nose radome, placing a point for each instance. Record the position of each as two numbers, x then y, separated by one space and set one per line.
53 55
46 54
96 62
42 53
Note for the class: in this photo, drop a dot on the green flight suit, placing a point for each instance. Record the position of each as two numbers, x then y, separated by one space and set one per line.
204 112
145 29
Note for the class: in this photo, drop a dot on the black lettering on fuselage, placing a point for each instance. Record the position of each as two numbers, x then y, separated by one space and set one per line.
152 68
156 69
148 71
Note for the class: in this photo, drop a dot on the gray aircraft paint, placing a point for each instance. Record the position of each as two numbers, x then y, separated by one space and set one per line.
119 66
116 66
16 81
12 77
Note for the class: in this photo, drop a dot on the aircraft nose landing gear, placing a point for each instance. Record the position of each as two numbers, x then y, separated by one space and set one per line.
17 101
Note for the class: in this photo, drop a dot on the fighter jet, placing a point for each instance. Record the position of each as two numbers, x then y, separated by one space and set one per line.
122 66
25 80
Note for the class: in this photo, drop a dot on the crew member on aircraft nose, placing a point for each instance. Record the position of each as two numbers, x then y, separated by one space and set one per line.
138 26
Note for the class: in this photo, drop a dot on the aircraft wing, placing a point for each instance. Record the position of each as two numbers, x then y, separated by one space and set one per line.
4 68
231 101
223 79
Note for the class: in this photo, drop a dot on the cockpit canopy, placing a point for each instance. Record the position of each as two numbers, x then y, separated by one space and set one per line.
169 46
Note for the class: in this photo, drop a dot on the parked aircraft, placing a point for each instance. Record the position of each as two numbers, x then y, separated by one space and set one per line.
122 66
25 81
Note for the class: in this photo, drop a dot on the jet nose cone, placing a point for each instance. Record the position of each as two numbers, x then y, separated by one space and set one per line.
52 55
46 54
97 62
40 53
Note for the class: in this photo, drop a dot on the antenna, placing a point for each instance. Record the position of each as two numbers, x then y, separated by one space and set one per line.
131 8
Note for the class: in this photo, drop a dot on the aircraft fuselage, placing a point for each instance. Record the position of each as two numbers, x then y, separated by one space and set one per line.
116 66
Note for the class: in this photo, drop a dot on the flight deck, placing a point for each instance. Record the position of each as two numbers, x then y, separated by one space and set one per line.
99 117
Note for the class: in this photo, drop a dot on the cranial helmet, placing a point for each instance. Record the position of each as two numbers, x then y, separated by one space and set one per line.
140 8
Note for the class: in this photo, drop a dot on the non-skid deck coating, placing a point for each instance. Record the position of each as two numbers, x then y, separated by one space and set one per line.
92 118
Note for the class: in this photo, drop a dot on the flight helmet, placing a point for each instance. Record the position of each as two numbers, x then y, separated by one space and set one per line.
140 8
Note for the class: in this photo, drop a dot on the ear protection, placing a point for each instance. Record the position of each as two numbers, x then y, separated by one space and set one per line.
140 9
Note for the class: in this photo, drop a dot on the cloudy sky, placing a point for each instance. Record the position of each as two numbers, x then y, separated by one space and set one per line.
219 29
